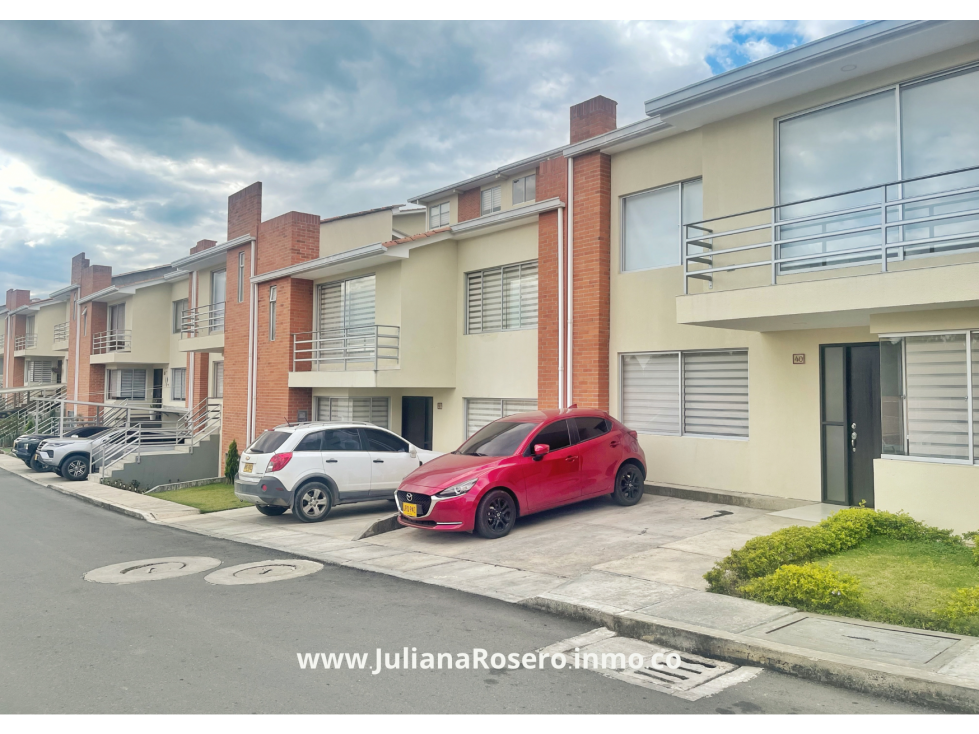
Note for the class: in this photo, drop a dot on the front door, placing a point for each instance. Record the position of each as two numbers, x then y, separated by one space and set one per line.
851 433
416 421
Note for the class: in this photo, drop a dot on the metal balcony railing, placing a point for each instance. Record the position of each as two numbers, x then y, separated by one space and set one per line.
61 332
108 342
875 226
203 320
28 341
359 348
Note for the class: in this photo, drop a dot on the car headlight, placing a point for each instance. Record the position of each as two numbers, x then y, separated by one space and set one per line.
53 444
457 489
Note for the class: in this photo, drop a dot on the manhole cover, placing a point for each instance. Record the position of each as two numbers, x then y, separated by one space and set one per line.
262 572
151 569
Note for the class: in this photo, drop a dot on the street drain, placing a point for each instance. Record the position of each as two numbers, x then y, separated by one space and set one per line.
262 572
694 677
151 569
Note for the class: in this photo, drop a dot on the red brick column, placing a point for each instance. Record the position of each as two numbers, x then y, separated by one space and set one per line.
197 376
592 223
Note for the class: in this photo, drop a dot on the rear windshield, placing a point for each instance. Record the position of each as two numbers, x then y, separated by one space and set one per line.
268 442
500 438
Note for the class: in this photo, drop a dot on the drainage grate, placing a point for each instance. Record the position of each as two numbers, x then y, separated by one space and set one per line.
693 679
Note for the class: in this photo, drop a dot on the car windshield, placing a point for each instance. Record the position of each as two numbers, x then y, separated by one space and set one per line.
268 442
500 438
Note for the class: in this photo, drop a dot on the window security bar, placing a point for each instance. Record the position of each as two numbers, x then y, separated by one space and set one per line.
925 216
357 348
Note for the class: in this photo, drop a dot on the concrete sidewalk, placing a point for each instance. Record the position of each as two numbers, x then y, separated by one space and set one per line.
636 570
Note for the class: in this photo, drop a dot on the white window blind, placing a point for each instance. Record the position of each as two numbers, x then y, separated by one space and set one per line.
525 189
937 396
438 216
178 383
715 393
712 397
347 304
490 200
500 299
40 371
480 411
127 384
651 392
359 410
218 387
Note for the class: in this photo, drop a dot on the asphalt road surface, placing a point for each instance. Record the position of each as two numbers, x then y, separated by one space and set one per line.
186 646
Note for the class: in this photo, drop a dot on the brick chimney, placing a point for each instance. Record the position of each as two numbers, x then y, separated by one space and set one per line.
202 245
592 117
245 211
17 298
78 265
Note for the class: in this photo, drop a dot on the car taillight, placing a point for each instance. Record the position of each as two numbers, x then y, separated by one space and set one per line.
279 461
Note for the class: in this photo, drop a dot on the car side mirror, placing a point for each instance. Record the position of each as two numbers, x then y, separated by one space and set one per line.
413 452
541 450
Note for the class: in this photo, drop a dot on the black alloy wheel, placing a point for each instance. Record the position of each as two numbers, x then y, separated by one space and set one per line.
496 514
628 485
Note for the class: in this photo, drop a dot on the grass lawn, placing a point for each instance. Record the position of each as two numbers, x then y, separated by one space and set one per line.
904 582
209 498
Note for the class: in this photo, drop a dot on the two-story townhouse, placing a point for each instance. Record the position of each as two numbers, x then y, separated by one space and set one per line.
792 257
38 339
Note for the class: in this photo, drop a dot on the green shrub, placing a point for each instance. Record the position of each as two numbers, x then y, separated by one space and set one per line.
962 611
231 461
798 545
811 588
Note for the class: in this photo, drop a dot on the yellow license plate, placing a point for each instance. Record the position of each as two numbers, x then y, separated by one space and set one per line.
247 468
409 509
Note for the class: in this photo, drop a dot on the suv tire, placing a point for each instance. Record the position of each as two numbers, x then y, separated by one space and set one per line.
496 514
313 502
36 465
628 485
270 510
75 468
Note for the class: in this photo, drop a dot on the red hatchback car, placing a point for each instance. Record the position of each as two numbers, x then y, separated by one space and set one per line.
522 464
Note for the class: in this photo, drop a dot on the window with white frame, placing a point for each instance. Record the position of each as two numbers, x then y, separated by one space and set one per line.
525 189
652 235
490 200
346 304
438 215
272 296
480 411
915 129
178 383
929 385
241 276
40 371
502 299
29 325
357 410
217 386
179 314
129 384
700 393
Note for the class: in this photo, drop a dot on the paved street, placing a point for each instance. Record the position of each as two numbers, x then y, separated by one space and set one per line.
185 646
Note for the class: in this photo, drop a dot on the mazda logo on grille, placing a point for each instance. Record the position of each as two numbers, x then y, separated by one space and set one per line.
408 496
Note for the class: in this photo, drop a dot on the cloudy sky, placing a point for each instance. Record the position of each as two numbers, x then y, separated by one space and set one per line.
124 140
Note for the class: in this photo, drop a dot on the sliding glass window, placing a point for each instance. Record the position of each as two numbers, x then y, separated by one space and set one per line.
651 232
911 130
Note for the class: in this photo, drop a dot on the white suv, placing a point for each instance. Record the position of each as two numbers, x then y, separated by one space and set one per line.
310 467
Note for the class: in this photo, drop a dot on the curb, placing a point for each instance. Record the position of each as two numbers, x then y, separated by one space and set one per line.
910 685
122 510
739 499
384 525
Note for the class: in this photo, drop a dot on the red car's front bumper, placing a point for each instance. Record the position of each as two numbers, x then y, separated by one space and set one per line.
450 514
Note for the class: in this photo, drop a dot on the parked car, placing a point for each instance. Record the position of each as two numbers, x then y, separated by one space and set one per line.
72 457
312 467
25 447
522 464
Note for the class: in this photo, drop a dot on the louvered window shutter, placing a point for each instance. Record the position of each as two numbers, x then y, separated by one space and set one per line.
330 306
480 411
359 311
651 392
938 396
518 406
715 393
474 303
